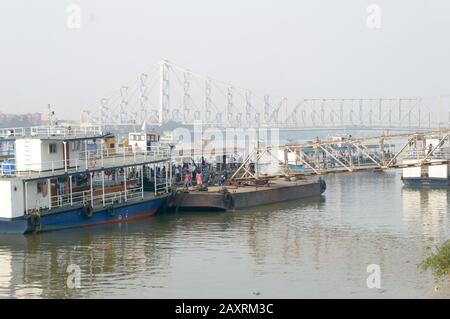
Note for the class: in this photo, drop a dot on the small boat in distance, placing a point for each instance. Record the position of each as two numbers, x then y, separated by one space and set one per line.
427 163
70 176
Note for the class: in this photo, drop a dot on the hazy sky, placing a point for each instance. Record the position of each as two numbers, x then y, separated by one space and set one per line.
293 48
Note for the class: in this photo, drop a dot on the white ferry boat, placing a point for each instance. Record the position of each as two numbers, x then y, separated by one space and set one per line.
65 176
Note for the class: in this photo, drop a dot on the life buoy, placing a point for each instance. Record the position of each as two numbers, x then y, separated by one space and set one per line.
87 210
171 200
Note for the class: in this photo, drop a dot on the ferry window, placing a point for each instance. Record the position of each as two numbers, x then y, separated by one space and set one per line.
39 187
52 148
76 146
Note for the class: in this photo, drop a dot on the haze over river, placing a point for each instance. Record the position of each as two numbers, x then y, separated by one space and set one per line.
316 248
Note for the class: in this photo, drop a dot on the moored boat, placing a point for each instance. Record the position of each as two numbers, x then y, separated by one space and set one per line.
427 163
243 196
64 177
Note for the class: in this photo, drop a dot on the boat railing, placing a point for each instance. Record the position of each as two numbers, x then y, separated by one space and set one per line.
12 132
161 185
437 154
51 131
96 199
86 160
65 131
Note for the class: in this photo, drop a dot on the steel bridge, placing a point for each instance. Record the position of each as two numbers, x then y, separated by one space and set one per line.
170 93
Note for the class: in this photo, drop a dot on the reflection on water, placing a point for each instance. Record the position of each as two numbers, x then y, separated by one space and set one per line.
425 210
315 248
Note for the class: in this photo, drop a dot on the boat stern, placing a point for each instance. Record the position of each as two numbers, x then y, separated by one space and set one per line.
13 225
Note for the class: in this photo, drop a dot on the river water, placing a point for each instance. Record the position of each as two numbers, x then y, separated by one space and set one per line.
315 248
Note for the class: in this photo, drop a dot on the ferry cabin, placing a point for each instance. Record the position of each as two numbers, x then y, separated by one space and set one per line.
109 145
143 141
59 180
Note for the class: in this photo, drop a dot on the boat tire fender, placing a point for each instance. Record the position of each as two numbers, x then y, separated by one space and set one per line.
111 211
171 199
87 210
323 186
36 221
228 200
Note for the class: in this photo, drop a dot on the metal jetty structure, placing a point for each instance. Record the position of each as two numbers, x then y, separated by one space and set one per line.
348 154
278 173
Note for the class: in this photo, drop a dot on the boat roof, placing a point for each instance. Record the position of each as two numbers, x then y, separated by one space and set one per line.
149 132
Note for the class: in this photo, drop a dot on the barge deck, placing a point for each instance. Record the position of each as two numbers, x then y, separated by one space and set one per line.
238 197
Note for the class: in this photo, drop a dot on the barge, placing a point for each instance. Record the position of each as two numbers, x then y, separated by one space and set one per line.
264 177
63 177
243 196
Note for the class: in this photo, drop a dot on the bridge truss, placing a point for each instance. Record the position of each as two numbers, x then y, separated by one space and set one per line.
170 93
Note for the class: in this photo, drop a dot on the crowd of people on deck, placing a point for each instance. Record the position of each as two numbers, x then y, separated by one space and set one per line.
200 175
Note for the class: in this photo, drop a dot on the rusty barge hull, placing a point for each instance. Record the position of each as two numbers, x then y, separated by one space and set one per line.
247 196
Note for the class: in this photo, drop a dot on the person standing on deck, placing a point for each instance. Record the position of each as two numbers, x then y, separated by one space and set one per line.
222 180
206 177
177 174
199 179
60 192
187 179
193 170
